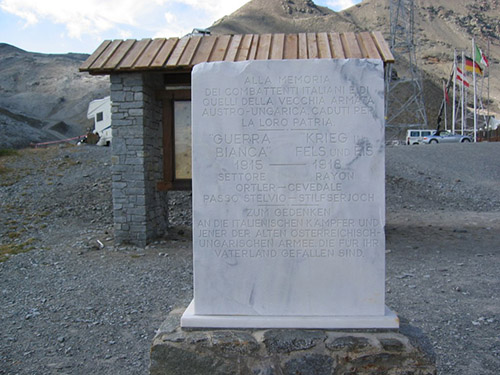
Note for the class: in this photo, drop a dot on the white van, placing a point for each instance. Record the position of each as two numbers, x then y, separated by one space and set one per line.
100 111
416 136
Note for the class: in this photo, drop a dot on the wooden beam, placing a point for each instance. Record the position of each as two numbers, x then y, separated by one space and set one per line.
351 47
382 47
277 47
168 141
177 52
92 58
232 50
312 46
254 46
190 50
119 54
220 49
150 53
302 46
324 51
336 46
105 55
245 45
205 49
164 53
291 46
264 47
133 54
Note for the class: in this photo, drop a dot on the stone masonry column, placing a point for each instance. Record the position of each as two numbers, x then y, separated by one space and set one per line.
140 210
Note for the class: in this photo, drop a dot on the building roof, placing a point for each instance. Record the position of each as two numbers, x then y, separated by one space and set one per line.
181 54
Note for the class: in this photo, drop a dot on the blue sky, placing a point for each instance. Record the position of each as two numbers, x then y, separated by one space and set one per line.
61 26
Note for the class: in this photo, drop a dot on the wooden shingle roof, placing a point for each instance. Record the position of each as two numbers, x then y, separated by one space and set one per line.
182 54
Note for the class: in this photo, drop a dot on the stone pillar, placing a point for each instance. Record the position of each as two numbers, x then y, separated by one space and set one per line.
140 210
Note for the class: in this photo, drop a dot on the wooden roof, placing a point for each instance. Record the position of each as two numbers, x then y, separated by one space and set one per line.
175 54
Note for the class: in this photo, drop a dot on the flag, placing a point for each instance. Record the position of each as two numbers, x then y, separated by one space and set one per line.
460 77
471 65
481 58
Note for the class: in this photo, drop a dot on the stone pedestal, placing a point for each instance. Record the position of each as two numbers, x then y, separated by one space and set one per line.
179 351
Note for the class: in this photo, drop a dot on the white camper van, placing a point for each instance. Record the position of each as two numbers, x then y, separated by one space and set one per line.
100 111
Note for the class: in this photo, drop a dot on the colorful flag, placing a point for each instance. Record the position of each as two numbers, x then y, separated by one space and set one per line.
471 65
481 58
460 77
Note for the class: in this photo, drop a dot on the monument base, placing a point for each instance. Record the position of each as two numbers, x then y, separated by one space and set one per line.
178 351
191 320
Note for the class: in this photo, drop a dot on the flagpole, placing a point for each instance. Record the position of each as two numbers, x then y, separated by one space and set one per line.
462 96
488 118
445 107
474 79
454 85
465 100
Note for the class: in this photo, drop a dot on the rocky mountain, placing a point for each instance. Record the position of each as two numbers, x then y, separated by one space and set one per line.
440 27
47 96
285 16
43 96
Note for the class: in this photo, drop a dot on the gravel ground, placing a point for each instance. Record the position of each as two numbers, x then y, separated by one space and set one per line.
77 304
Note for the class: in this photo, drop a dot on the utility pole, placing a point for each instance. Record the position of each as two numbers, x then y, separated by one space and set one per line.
404 89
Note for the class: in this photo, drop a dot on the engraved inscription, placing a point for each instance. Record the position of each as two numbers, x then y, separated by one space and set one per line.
270 108
288 177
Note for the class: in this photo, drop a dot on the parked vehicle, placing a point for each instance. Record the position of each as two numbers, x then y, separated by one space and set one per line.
445 136
415 136
100 111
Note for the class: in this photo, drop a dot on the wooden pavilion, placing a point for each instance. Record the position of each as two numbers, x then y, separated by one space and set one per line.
151 77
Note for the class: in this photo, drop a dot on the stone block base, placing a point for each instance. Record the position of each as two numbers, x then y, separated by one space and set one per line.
177 351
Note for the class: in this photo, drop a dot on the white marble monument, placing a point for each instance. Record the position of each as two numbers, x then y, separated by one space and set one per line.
288 195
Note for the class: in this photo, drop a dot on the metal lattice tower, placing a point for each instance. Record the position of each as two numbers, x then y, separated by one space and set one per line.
404 96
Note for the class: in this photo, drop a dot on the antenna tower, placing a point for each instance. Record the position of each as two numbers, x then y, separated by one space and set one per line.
404 96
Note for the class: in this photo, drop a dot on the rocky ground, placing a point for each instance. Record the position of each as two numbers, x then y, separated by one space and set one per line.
73 302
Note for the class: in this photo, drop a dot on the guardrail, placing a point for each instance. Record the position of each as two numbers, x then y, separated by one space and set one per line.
41 144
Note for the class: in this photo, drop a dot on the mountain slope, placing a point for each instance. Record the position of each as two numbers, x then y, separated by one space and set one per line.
18 131
281 16
47 88
440 27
